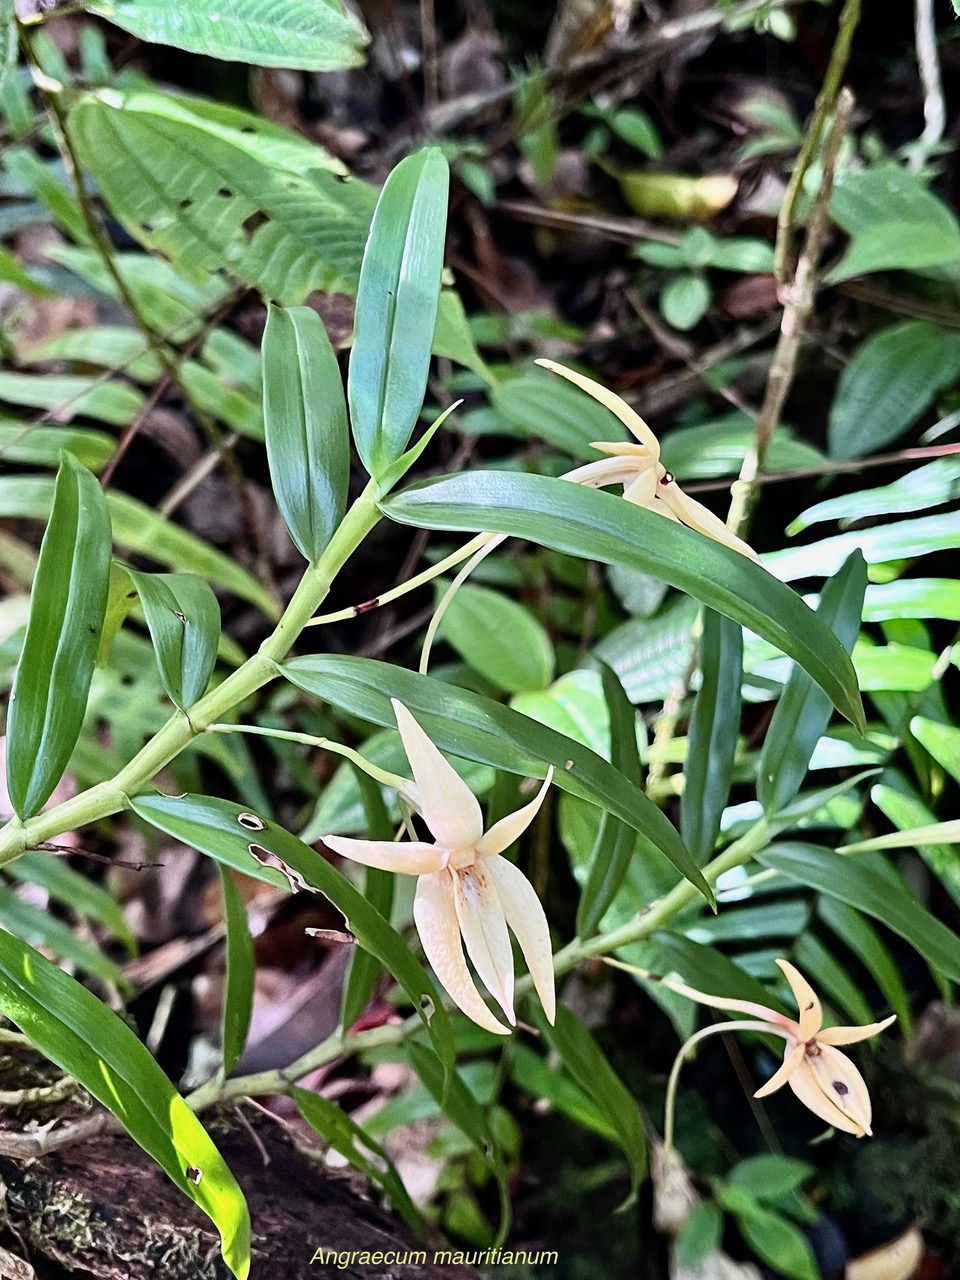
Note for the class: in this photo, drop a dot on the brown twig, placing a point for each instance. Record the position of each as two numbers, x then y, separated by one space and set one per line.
799 299
921 454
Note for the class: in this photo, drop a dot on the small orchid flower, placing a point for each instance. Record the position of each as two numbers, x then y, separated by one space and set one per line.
465 890
646 481
823 1078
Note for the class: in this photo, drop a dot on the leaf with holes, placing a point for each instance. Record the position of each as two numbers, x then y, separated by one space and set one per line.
266 33
237 838
183 618
477 728
71 1027
63 635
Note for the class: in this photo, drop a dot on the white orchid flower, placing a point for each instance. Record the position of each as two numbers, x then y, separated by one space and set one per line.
823 1078
465 890
646 481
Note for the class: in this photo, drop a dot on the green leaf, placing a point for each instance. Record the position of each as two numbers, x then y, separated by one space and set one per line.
73 890
72 396
902 540
651 655
74 1029
397 301
585 522
708 770
684 301
589 1067
24 443
718 448
37 927
769 1177
453 337
912 598
803 711
266 33
142 530
8 39
183 618
469 725
706 969
699 1235
346 1136
188 186
942 741
11 272
616 839
898 246
859 935
868 882
541 1080
891 379
378 889
66 615
305 417
539 406
237 838
867 197
499 638
240 973
778 1243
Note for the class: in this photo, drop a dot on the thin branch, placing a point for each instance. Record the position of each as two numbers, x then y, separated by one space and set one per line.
798 307
934 108
839 58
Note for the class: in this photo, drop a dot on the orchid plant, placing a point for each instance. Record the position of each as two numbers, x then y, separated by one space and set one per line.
638 872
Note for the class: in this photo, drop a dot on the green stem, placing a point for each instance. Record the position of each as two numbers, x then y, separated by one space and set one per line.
180 730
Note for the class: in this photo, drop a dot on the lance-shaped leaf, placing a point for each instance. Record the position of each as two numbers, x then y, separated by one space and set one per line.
305 419
346 1136
378 888
183 618
616 839
869 883
589 1067
713 734
66 616
803 711
241 972
71 1027
397 303
601 526
237 838
477 728
266 33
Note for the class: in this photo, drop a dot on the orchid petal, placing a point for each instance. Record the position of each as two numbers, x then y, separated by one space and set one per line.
435 916
643 488
811 1013
696 516
623 449
792 1061
411 858
503 833
817 1093
610 400
484 929
850 1035
525 916
604 471
449 807
843 1084
781 1024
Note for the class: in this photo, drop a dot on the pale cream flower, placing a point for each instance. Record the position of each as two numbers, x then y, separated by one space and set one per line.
466 890
646 481
823 1078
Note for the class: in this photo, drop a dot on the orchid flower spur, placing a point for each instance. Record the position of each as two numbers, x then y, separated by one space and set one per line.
646 481
465 888
823 1078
